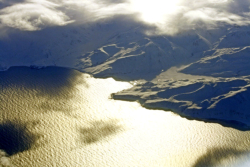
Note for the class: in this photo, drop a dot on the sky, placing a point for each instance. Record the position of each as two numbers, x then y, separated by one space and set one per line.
168 16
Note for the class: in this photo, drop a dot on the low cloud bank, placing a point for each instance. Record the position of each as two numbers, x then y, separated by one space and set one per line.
166 16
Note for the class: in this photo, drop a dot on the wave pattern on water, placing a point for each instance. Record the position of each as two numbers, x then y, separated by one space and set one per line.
61 117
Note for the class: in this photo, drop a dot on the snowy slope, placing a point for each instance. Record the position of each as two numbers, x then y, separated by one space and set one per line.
133 55
224 62
57 45
196 97
199 74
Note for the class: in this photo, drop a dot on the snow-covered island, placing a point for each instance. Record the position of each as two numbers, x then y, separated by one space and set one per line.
198 73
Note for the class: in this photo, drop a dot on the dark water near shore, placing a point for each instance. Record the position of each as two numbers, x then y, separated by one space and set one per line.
61 117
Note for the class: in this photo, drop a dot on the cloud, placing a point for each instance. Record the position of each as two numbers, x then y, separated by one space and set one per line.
32 15
94 10
166 16
172 18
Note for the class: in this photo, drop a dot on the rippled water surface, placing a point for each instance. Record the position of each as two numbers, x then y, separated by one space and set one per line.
61 117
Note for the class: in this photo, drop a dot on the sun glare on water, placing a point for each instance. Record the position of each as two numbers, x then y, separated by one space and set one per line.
154 11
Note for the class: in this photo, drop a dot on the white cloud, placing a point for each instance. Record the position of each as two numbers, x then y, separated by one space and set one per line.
168 16
171 17
32 15
94 10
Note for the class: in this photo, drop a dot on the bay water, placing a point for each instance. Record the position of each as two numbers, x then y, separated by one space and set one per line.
61 117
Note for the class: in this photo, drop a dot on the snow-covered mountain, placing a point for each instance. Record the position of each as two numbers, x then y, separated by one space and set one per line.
200 74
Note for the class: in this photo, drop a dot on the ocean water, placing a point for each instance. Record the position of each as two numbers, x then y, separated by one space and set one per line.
61 117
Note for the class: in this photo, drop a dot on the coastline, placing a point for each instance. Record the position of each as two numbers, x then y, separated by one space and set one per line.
223 122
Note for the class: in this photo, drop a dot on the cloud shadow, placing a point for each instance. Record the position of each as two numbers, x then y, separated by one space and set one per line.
48 81
15 137
215 156
55 85
98 131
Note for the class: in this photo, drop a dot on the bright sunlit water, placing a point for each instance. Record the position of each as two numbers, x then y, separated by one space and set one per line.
67 118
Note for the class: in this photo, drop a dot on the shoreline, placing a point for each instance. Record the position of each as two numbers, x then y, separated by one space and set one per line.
223 122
